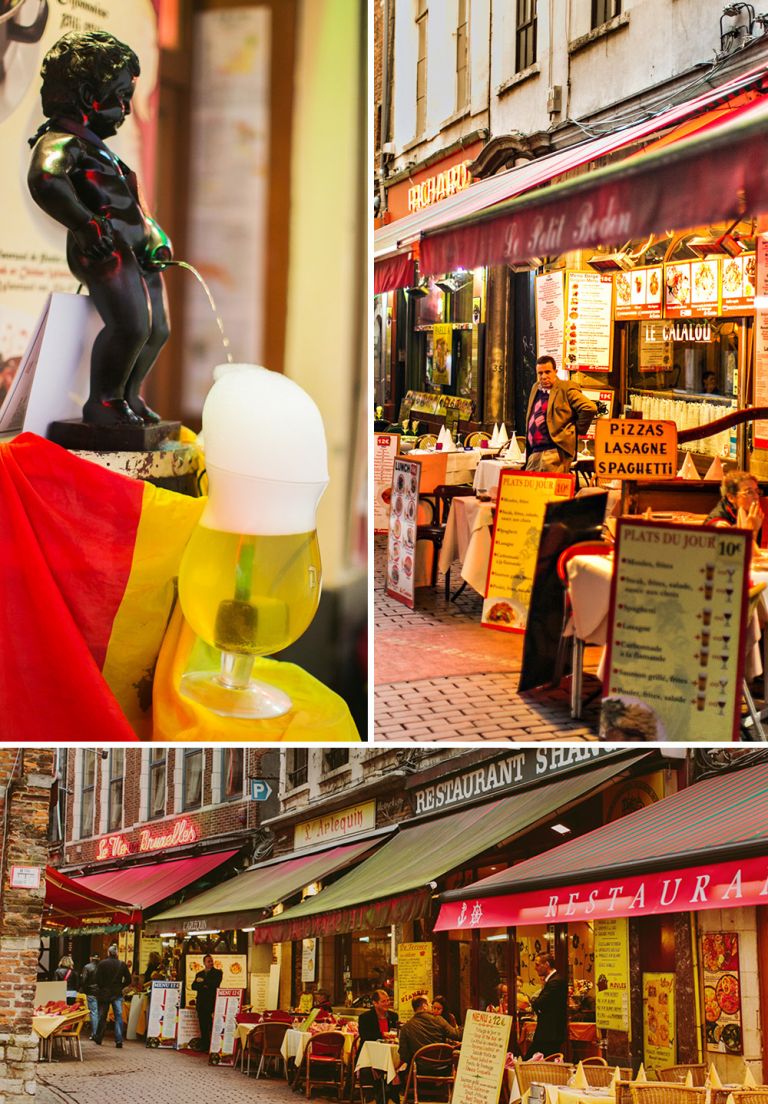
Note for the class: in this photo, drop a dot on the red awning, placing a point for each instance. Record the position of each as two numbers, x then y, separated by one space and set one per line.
504 186
705 847
393 272
711 176
155 881
70 904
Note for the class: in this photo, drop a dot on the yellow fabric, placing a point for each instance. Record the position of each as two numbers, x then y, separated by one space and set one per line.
714 1077
641 1075
165 526
749 1080
318 713
579 1079
689 1080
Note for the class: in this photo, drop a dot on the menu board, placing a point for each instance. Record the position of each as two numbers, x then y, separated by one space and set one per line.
692 288
482 1058
164 1002
603 398
739 281
676 625
401 545
414 976
659 1046
385 448
612 974
760 428
550 316
188 1029
588 324
522 500
258 986
233 969
639 293
635 448
222 1049
722 991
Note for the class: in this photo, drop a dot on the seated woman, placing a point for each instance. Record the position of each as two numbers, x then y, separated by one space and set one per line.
502 999
740 492
440 1008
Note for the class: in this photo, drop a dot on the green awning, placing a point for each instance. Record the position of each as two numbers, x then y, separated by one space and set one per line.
393 885
241 901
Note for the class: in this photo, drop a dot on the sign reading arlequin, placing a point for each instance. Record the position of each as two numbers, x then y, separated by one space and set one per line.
345 822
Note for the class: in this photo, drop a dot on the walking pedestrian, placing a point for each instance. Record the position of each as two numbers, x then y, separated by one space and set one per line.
88 982
66 972
112 976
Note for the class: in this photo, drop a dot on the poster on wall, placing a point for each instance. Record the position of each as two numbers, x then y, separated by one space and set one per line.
550 318
414 976
385 448
442 352
639 293
612 974
520 507
738 280
187 1029
308 959
222 1049
163 1008
659 1041
603 399
722 991
401 545
589 322
32 245
233 969
482 1058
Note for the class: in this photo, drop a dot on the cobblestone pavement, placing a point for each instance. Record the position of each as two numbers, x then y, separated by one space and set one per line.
440 676
143 1076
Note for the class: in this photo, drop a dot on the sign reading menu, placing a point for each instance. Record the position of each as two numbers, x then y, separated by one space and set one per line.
633 448
722 991
414 976
222 1049
482 1058
522 500
760 429
659 1047
692 288
639 293
188 1028
163 1008
676 624
738 283
385 448
612 974
401 546
589 324
550 316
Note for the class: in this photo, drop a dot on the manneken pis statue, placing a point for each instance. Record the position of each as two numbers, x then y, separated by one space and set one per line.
113 246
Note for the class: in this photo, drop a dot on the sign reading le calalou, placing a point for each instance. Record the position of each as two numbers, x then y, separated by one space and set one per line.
632 448
483 1055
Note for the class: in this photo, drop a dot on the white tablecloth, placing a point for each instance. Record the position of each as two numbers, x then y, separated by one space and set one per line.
294 1044
379 1056
488 472
468 538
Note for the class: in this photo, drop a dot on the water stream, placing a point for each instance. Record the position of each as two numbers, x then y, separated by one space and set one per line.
207 290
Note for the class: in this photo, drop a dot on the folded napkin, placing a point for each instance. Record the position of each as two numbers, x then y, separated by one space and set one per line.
729 1099
494 442
579 1078
749 1081
448 442
688 470
689 1080
715 469
441 436
513 449
714 1077
641 1077
503 437
616 1075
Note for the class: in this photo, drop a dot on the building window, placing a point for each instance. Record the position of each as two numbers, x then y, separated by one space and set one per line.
525 35
462 74
158 768
297 768
87 793
115 797
603 10
192 787
334 758
421 67
233 767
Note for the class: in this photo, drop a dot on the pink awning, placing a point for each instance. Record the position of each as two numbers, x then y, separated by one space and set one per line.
716 175
392 273
70 904
146 885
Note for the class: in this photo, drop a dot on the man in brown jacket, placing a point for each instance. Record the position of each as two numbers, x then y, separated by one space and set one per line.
423 1028
558 413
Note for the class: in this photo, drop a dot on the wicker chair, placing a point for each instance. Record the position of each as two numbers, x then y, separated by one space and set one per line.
757 1095
593 1061
427 440
551 1073
475 440
431 1071
600 1077
660 1092
679 1073
324 1062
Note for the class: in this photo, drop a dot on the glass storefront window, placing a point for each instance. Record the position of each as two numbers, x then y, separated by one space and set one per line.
581 972
695 356
494 982
370 966
452 364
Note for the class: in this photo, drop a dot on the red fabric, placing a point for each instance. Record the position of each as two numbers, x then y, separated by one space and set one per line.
391 273
67 531
68 903
146 885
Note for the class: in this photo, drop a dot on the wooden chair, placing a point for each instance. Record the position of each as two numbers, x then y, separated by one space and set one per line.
270 1039
433 532
324 1062
475 440
427 440
679 1073
551 1073
593 1060
558 1056
67 1037
661 1092
431 1072
600 1077
581 548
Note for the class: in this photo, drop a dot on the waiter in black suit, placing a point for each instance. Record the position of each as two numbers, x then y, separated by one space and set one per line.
551 1007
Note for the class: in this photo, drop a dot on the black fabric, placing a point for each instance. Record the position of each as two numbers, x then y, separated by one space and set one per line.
368 1025
112 976
550 1006
205 985
724 511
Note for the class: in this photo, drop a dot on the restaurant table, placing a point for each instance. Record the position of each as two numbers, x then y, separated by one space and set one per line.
242 1032
379 1055
295 1043
468 538
567 1094
46 1027
488 473
579 1031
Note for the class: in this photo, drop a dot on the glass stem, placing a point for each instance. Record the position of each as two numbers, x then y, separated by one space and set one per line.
236 669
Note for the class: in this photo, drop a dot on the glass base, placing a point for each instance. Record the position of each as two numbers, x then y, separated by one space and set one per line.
253 701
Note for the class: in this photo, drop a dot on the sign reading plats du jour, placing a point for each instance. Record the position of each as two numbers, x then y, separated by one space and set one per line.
676 624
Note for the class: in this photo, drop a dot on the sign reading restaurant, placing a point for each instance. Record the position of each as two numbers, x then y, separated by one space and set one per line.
177 834
336 826
513 772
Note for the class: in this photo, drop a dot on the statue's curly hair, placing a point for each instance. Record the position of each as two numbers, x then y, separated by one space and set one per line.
76 59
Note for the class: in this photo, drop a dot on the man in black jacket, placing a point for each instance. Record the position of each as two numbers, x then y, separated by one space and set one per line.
88 982
371 1027
112 976
551 1008
206 982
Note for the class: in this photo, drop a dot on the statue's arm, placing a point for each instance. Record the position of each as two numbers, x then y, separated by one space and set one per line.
51 187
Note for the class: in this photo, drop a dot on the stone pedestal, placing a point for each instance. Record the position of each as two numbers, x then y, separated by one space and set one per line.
174 467
78 435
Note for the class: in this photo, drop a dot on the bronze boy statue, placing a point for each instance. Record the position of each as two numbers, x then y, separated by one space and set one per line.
113 246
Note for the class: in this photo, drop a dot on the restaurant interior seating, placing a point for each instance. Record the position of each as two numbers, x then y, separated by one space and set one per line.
475 440
431 1074
582 548
698 1072
324 1062
427 440
600 1077
551 1073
